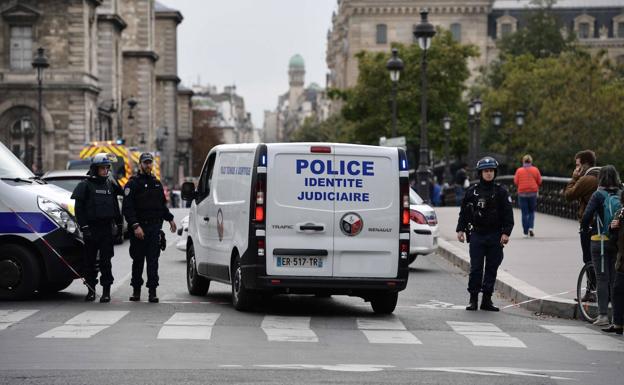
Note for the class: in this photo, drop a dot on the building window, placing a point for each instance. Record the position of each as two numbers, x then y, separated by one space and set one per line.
382 34
620 29
456 31
21 47
506 29
583 30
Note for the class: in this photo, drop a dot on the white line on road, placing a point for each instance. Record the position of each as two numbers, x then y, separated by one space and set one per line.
387 330
288 329
189 326
591 339
9 317
86 324
485 334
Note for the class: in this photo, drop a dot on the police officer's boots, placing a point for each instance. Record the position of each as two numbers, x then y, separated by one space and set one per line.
486 303
105 294
136 294
474 302
90 295
152 295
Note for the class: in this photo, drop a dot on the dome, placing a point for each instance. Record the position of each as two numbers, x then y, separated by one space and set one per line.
296 62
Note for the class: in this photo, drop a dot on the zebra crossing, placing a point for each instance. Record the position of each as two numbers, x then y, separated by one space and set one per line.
297 329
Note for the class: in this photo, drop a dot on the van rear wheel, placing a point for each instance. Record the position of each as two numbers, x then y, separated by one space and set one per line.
384 303
48 287
20 273
242 298
196 284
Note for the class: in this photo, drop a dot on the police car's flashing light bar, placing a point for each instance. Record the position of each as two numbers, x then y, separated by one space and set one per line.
263 160
321 149
402 161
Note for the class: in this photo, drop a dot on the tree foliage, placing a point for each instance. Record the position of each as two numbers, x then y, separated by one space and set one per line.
572 102
368 105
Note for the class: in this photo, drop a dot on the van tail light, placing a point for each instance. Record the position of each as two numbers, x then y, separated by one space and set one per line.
418 217
261 249
404 249
321 149
405 202
260 200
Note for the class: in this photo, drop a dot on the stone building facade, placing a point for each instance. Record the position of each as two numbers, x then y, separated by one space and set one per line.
103 54
372 25
296 105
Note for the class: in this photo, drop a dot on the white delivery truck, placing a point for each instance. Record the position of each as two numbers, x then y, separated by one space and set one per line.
35 218
301 218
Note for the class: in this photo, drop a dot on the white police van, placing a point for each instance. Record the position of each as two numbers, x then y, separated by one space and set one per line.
34 217
302 218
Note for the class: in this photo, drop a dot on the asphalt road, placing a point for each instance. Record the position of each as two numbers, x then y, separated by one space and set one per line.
184 339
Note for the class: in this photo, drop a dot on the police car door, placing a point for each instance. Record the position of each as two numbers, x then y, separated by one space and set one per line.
299 213
366 221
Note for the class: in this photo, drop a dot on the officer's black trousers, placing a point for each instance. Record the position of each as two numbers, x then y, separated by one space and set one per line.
101 241
484 248
146 249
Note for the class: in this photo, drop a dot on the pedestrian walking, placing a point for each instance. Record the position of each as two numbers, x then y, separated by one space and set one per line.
580 188
485 221
145 208
97 213
528 181
600 211
617 299
461 183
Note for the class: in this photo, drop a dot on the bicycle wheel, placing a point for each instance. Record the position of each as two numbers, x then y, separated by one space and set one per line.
586 297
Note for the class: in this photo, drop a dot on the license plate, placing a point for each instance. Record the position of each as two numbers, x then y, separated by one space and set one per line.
314 262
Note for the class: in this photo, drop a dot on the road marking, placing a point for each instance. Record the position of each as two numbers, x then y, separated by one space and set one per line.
86 324
540 373
387 330
189 326
591 339
9 317
288 329
485 334
333 368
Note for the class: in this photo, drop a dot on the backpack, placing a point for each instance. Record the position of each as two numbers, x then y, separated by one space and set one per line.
610 207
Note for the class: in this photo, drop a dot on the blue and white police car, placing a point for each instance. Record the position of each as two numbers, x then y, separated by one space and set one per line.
39 238
301 218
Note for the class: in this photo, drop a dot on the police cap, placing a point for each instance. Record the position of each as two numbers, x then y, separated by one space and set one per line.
146 157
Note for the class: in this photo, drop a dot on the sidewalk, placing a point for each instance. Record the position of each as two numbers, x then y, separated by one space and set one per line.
532 268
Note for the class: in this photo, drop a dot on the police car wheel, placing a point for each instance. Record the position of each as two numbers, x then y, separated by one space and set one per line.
241 297
384 303
54 287
19 273
196 284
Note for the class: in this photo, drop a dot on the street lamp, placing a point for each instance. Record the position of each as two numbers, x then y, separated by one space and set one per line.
519 119
477 132
40 63
394 66
471 141
423 32
131 105
446 124
497 119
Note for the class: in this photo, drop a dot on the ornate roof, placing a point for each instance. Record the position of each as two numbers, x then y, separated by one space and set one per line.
519 4
296 62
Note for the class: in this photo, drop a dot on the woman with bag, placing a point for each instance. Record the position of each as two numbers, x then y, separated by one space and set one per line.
599 213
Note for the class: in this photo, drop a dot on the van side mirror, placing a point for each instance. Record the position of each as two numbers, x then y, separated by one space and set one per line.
188 191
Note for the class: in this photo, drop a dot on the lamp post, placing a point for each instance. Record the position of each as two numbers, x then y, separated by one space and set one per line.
471 136
423 32
446 124
477 131
40 63
132 103
394 66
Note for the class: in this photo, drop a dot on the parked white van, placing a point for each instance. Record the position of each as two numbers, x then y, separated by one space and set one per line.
34 217
301 218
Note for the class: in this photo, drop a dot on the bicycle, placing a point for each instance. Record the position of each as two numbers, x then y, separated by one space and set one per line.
586 290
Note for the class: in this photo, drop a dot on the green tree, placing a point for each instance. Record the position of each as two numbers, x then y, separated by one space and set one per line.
368 105
572 102
540 37
335 129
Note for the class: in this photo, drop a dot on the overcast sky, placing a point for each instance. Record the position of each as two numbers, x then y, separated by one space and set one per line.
249 43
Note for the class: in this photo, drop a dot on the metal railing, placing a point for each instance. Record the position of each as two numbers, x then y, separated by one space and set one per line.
550 199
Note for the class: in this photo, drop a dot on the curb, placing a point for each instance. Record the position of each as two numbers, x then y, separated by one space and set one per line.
513 288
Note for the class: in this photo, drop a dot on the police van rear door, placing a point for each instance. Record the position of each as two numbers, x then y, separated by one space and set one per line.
299 212
366 219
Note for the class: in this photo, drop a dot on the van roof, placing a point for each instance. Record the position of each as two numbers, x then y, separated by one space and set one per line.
251 146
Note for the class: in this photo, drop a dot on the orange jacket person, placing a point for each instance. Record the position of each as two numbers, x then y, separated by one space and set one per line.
528 179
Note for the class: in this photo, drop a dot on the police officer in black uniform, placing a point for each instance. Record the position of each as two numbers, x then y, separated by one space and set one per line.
486 220
145 208
97 212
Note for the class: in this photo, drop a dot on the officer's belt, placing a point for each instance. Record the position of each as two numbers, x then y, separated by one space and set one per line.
152 221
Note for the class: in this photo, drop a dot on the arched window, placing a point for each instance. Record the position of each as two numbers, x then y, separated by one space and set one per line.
505 25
